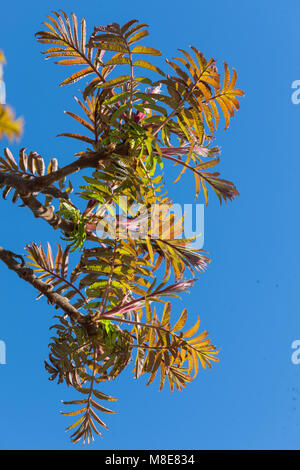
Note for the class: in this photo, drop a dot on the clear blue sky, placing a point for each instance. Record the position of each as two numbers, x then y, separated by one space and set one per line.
249 297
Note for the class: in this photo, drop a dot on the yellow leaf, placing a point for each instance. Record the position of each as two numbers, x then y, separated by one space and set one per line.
192 330
150 249
77 76
146 50
166 314
224 110
181 322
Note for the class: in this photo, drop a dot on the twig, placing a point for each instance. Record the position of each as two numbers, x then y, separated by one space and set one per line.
46 213
27 274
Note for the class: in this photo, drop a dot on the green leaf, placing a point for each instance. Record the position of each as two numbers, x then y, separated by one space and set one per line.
115 82
116 98
98 184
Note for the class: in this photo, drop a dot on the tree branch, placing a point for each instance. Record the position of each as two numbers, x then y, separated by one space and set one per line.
44 183
88 160
23 186
27 274
46 213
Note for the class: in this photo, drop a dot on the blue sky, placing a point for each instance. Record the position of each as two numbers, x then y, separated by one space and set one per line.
248 299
